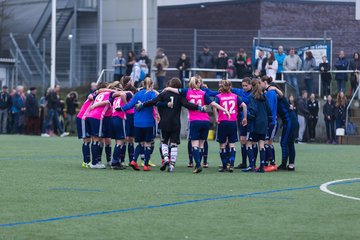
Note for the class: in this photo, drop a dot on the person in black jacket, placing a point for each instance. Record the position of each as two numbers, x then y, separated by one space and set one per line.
170 124
71 105
32 113
340 111
354 77
313 107
329 117
303 114
240 63
53 103
5 105
182 64
260 63
324 68
221 62
205 60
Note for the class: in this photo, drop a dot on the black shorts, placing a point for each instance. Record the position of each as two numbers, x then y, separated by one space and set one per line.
173 136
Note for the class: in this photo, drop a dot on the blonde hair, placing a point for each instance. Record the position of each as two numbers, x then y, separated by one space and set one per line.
341 101
148 83
225 86
114 85
256 88
193 83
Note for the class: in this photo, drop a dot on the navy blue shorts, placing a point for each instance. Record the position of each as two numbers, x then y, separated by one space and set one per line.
117 128
254 137
129 125
106 128
272 130
95 127
144 134
227 130
243 130
199 130
83 128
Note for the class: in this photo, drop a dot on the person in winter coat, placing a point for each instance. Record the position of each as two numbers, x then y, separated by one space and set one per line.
341 64
160 62
32 113
144 62
354 77
248 71
341 104
221 62
231 70
240 63
71 105
5 105
260 63
324 68
313 107
183 64
18 109
309 65
303 114
205 60
329 117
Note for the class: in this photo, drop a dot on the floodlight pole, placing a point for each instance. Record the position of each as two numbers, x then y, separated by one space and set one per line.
144 25
53 43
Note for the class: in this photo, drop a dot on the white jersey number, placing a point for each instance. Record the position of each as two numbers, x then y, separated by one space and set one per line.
231 105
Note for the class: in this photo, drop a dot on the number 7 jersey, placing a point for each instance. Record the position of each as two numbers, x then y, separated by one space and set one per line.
230 102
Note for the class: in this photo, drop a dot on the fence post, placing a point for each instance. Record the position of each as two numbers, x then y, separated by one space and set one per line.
259 37
195 47
16 68
44 62
319 84
133 39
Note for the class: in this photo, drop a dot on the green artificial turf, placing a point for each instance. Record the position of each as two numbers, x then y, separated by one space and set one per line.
31 167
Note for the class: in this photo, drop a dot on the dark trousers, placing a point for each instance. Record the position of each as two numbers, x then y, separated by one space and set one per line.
325 85
18 123
330 129
32 126
52 114
312 126
288 141
161 80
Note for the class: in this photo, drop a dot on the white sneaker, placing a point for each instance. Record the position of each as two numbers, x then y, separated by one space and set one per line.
92 166
100 165
45 135
64 134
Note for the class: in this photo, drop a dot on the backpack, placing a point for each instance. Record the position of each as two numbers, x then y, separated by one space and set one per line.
351 129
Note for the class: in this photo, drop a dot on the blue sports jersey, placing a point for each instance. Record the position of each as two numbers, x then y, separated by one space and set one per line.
244 97
284 111
272 99
144 118
209 92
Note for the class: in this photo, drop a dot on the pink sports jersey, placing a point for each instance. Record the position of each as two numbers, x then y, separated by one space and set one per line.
197 97
131 111
229 102
99 112
116 104
85 108
154 112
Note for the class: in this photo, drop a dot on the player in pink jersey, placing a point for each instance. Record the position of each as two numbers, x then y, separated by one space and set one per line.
227 128
199 121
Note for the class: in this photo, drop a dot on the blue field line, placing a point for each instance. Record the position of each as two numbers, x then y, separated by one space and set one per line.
163 205
84 190
210 195
39 157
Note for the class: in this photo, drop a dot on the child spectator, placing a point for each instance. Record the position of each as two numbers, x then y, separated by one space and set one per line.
303 113
231 70
341 104
248 70
329 117
324 68
313 107
71 105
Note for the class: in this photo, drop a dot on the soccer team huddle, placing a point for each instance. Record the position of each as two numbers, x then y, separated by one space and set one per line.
126 114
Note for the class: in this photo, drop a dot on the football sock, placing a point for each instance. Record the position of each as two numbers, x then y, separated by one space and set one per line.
190 152
173 153
131 151
137 152
227 148
165 150
232 155
161 152
255 151
122 153
86 152
243 153
273 155
100 147
108 152
250 154
223 157
94 152
142 153
262 158
147 155
205 151
116 154
152 148
201 150
267 155
196 155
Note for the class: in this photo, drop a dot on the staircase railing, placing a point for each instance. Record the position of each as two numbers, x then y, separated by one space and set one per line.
41 24
350 102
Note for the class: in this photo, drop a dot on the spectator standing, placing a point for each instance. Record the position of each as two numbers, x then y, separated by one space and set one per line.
18 109
221 62
303 114
341 64
293 104
205 60
248 70
354 77
160 62
93 87
119 65
292 62
324 68
5 105
231 70
52 105
329 117
240 63
32 112
144 62
260 63
183 63
309 65
271 66
71 105
313 107
280 57
341 104
130 61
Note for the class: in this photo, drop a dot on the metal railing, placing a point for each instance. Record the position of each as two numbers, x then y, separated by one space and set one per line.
350 102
